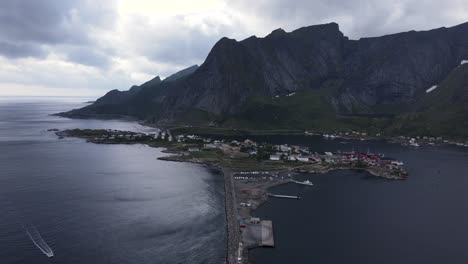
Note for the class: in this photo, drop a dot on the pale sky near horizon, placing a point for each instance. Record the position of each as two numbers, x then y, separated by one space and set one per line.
86 47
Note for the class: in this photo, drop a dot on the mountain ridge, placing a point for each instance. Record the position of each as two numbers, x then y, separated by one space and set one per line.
378 76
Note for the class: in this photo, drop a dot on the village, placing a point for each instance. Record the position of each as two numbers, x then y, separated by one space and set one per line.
249 169
410 141
273 157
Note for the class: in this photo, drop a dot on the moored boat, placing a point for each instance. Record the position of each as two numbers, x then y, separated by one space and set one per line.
306 182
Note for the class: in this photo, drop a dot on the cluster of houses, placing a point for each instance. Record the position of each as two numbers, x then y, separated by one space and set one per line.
342 135
249 148
428 141
116 135
287 153
339 158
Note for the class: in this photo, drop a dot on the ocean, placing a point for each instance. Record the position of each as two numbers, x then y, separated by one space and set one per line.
352 217
99 203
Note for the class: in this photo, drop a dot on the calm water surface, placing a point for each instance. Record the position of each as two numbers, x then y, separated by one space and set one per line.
100 203
350 217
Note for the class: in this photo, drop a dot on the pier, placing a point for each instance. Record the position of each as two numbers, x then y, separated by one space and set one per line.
233 232
267 234
284 196
258 234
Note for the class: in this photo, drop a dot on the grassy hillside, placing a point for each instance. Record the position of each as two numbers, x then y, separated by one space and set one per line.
309 110
443 111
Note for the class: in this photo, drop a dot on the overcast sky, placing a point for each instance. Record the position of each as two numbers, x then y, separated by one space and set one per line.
88 47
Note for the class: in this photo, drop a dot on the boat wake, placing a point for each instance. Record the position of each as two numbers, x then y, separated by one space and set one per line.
36 238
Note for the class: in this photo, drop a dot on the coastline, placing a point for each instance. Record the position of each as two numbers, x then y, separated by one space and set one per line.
237 192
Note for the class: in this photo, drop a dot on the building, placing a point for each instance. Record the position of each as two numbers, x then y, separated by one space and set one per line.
284 148
193 149
255 220
275 157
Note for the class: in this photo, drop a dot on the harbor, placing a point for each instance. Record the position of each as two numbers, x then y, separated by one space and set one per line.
250 169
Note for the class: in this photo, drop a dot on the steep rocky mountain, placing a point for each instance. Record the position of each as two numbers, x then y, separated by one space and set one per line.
181 73
313 77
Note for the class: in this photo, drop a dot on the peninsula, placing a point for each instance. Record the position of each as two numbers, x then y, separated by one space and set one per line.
250 169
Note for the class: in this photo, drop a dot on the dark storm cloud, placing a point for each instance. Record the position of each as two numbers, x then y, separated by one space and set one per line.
36 21
28 27
21 50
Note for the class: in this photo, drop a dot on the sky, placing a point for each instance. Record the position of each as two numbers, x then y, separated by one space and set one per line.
88 47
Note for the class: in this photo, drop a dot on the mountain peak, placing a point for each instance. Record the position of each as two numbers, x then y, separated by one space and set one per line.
153 81
330 27
277 33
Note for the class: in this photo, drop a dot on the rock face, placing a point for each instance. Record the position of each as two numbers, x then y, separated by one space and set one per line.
370 76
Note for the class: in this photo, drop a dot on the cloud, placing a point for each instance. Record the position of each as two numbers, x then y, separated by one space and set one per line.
21 50
88 56
34 26
86 45
357 18
180 40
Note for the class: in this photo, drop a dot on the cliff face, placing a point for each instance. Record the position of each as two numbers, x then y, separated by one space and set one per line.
396 69
370 76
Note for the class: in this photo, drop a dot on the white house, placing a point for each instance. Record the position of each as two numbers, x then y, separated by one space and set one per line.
275 157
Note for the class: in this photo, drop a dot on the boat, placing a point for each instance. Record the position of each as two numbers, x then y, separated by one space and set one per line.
306 182
36 238
307 133
398 163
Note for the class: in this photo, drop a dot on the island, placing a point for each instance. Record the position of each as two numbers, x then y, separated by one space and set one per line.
249 169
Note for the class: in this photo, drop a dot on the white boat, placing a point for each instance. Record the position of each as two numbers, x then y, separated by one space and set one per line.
38 241
306 182
398 163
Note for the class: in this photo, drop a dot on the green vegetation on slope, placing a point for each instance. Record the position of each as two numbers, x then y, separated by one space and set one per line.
308 110
441 112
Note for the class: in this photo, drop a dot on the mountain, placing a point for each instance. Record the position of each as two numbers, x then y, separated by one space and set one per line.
442 111
181 73
310 78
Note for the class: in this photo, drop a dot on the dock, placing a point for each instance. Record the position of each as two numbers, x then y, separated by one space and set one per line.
267 234
258 234
284 196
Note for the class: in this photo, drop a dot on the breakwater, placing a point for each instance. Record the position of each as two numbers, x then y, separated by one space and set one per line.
233 232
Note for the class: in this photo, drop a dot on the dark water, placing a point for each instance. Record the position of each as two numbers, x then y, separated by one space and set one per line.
100 203
349 217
